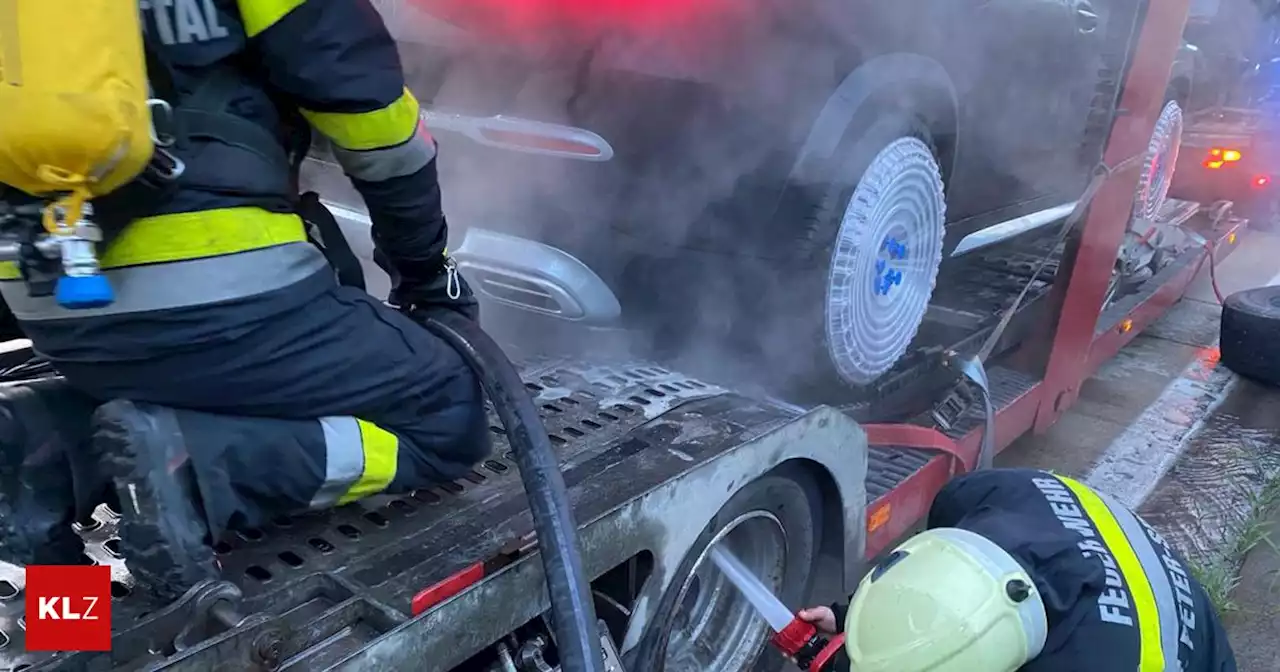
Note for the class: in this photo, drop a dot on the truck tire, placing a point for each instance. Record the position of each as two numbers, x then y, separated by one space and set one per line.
1248 338
1160 163
774 525
865 261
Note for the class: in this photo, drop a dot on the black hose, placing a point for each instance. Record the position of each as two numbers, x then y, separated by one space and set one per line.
572 610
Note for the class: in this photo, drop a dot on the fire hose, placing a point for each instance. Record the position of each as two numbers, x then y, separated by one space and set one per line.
572 610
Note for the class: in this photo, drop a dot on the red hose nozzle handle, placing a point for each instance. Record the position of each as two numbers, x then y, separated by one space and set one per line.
793 638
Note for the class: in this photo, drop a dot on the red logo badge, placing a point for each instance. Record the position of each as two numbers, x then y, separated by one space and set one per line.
68 608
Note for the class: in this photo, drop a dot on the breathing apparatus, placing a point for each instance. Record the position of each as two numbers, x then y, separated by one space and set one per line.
58 259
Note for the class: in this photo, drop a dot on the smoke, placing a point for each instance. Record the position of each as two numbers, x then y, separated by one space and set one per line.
705 103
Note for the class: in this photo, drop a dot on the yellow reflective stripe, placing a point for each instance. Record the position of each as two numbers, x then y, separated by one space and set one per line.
1151 656
362 131
380 451
259 15
193 235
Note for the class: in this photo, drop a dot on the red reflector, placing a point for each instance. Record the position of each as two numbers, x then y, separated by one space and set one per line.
1261 181
448 588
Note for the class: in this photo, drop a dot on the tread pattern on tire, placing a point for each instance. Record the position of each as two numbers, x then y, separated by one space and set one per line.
1249 334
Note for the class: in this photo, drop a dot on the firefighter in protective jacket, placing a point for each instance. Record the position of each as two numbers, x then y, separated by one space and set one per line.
1027 570
234 379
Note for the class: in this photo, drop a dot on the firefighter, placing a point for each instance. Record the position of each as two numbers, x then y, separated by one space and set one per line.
234 379
1026 570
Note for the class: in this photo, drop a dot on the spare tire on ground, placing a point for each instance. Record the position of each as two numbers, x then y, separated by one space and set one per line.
1250 336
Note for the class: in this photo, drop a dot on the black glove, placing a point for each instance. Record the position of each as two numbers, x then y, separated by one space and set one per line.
447 291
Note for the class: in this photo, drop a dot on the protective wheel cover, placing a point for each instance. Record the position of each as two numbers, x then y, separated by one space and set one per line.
885 260
1250 322
1162 159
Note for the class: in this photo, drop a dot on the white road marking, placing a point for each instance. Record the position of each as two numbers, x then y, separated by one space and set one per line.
1131 467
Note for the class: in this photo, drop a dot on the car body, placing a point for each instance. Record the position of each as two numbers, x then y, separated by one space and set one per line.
732 128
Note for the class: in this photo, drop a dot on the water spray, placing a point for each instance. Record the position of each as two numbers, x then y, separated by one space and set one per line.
796 638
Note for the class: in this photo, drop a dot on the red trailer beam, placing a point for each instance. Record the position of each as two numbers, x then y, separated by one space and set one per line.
1077 349
1104 226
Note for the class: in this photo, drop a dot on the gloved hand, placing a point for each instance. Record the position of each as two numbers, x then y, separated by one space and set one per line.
446 291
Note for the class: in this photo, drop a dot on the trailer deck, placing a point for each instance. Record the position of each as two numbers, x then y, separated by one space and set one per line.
338 580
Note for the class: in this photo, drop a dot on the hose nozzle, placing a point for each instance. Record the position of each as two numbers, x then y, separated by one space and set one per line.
811 651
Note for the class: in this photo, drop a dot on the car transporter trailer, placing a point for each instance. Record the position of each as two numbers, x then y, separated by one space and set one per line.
659 466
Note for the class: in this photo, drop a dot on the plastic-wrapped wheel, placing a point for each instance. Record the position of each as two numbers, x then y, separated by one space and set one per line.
1161 160
884 261
1250 334
863 230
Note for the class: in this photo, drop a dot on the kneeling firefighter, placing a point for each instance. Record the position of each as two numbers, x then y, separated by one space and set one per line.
1026 570
230 378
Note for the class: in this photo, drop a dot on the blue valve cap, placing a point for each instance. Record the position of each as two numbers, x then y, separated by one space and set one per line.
84 291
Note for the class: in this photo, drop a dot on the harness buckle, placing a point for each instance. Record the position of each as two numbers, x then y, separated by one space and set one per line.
162 122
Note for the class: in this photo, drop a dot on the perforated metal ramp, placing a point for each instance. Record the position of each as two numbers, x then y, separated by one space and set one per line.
349 575
341 579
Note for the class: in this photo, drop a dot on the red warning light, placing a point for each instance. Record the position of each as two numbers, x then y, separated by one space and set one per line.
1261 181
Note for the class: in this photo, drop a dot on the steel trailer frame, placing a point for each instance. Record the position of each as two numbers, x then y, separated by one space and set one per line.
1083 335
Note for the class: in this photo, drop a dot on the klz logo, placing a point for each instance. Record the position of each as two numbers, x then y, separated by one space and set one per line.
59 609
68 608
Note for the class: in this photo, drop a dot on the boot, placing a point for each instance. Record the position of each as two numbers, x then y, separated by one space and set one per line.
164 535
44 429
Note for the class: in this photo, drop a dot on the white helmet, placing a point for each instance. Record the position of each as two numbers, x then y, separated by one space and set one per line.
947 600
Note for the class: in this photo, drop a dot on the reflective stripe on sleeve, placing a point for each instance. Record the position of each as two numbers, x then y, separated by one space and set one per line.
360 460
363 131
1152 597
259 15
377 165
182 283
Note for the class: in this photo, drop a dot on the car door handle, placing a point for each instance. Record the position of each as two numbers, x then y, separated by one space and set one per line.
1086 19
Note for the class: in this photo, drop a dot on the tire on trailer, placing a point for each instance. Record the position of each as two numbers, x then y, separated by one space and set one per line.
1250 334
1160 163
774 525
865 262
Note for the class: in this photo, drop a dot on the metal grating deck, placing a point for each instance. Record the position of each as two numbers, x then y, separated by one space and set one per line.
372 556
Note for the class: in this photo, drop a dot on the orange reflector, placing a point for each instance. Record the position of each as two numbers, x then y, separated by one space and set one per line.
1126 326
1230 155
1231 238
879 517
1213 164
542 142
